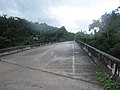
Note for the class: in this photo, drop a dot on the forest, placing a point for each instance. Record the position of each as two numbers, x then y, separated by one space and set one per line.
15 31
106 36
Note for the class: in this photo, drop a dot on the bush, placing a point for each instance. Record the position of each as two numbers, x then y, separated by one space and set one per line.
106 82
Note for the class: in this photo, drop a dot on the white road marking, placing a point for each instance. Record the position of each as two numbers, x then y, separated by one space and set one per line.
73 65
73 60
73 47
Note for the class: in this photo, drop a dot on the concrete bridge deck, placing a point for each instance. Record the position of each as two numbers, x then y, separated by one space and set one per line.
59 66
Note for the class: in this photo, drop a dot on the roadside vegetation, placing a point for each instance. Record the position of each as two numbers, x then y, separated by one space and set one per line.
106 33
15 31
106 82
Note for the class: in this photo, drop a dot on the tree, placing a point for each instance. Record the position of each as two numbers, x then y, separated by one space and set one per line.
15 31
107 33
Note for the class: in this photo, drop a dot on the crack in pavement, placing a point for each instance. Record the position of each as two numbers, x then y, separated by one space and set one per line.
53 73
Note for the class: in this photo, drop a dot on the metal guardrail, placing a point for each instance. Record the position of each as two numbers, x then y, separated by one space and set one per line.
107 63
11 50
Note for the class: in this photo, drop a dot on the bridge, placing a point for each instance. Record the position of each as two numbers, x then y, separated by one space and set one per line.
58 66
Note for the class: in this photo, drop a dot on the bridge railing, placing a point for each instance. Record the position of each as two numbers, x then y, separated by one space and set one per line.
107 63
10 50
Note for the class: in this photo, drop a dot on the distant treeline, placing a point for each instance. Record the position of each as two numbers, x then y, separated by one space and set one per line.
15 31
106 35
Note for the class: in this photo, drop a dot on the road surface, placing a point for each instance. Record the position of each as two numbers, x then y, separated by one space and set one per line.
59 66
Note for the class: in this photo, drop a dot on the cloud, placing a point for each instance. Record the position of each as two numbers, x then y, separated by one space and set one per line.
85 11
75 15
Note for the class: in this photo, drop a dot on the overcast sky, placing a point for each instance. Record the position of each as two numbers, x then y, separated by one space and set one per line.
75 15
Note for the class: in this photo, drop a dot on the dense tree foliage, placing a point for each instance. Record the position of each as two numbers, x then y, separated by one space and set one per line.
106 35
15 31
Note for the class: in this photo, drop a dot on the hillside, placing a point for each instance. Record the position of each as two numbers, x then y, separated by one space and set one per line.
15 31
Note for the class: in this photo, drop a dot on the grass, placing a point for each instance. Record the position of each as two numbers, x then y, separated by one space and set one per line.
106 82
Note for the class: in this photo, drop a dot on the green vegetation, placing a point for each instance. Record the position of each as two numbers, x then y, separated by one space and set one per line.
106 36
106 82
15 31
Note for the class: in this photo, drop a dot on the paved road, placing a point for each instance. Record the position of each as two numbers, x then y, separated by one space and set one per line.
60 66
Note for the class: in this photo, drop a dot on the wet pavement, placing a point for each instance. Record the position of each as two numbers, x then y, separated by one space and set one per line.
59 66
